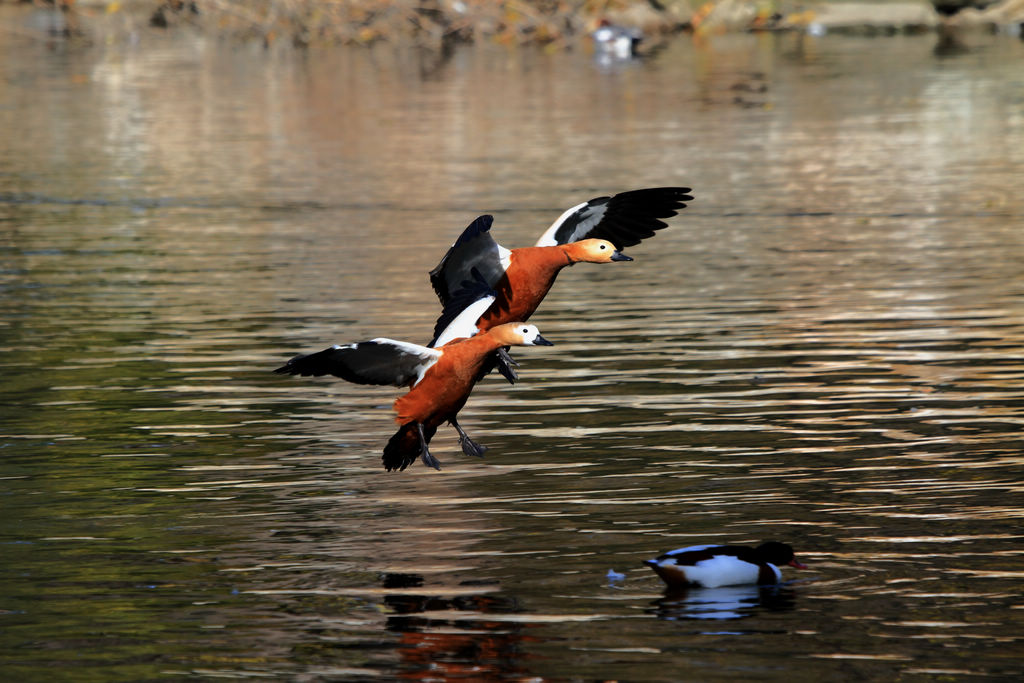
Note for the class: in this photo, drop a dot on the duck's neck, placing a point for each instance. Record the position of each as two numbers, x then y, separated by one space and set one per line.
566 252
482 344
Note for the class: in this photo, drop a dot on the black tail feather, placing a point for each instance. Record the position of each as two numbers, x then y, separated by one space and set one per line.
404 447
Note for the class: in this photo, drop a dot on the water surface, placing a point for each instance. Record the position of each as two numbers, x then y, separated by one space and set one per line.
825 348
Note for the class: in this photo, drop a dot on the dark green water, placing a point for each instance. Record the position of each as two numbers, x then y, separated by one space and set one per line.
825 348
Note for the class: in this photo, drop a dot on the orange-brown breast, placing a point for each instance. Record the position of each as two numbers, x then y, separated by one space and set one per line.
446 386
530 274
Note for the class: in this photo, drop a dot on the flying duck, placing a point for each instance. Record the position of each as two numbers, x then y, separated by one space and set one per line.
595 231
440 379
711 566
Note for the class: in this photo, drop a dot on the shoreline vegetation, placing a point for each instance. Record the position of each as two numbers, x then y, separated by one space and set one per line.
553 24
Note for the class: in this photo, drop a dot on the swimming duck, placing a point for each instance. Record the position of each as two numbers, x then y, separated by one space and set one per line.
616 41
724 565
594 231
440 379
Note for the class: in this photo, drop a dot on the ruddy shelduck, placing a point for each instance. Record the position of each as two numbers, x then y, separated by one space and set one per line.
595 231
711 566
440 379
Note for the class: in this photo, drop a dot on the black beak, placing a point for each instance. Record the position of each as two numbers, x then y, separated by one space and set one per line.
541 341
619 256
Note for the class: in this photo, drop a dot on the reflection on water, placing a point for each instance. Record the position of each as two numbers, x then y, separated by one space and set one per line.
724 602
823 349
454 636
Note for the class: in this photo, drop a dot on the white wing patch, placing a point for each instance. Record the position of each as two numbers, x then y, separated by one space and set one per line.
588 217
724 570
505 257
548 238
408 347
464 324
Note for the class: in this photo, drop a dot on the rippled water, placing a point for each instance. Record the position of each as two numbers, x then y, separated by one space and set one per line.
825 349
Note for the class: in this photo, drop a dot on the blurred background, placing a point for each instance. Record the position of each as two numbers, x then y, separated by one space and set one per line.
824 348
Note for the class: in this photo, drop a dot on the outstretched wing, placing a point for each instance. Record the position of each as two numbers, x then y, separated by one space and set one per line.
623 219
378 361
475 249
463 310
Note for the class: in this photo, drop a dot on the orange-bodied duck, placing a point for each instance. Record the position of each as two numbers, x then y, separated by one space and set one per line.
440 379
711 566
595 231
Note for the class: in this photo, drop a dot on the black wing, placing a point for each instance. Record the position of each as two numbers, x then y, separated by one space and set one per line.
695 554
465 306
475 249
380 361
623 219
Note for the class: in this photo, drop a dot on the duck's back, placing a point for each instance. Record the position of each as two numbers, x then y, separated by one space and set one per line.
530 274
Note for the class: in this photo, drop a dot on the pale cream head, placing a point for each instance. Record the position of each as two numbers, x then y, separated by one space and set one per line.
518 334
595 251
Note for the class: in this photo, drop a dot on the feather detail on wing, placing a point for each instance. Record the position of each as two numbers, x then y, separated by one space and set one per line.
475 249
623 219
378 361
464 308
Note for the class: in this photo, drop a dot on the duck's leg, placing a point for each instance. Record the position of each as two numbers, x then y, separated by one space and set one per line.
469 447
428 459
506 364
506 356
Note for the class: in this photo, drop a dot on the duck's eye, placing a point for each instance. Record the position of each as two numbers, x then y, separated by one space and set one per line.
525 330
604 246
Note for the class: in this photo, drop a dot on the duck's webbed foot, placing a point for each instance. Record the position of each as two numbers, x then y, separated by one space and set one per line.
428 459
469 447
